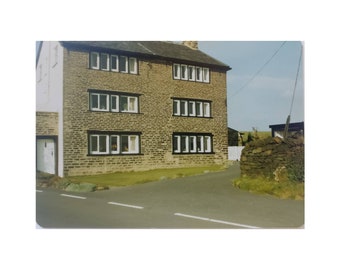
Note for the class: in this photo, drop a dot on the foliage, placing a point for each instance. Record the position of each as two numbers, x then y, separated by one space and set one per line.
284 190
139 177
296 166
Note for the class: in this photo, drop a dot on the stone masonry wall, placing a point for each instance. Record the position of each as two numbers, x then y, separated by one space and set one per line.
46 123
155 121
269 157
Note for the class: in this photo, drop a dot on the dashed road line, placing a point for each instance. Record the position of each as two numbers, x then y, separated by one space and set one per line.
38 190
73 196
126 205
217 221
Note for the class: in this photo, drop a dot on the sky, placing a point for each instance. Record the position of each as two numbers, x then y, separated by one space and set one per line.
261 84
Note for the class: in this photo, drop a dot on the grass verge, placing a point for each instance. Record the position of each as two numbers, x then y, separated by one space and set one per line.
284 190
120 179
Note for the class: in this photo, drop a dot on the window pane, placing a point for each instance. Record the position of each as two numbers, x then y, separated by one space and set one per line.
94 60
176 71
192 143
123 63
200 147
123 103
125 144
198 74
103 102
184 144
192 108
199 108
176 144
114 62
184 107
191 71
102 144
115 144
94 101
184 72
93 143
176 107
104 61
114 103
132 104
133 144
207 144
206 109
133 65
205 74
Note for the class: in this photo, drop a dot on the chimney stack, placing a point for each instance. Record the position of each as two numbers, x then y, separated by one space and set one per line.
191 44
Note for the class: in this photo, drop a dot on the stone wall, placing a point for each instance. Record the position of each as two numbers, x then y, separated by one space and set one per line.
155 121
272 157
46 123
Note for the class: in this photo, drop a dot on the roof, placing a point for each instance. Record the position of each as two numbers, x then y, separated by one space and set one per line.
153 49
292 126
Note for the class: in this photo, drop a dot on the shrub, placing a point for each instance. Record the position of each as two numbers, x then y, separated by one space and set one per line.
296 166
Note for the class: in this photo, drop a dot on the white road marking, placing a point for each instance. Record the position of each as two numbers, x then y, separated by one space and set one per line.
38 190
126 205
217 221
73 196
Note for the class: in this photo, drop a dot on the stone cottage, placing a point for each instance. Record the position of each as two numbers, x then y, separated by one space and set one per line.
107 106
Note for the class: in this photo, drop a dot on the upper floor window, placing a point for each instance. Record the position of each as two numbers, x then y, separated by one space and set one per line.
112 62
194 108
191 73
113 101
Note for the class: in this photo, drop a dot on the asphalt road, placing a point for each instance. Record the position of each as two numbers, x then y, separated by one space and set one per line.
203 201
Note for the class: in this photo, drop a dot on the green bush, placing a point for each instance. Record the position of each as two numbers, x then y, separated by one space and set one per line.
296 166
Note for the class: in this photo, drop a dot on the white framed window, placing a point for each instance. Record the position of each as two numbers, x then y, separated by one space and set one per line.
123 64
133 65
199 108
198 74
207 144
176 144
176 107
114 63
192 143
184 107
192 108
191 73
206 109
206 75
184 72
99 102
114 103
200 144
184 144
177 71
99 144
128 104
115 144
94 60
104 61
130 144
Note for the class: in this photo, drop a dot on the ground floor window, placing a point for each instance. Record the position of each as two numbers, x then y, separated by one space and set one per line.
113 143
192 143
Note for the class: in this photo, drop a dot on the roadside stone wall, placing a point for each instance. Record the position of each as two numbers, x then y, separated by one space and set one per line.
271 157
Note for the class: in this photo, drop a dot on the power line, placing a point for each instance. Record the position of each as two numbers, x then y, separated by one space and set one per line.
296 79
263 66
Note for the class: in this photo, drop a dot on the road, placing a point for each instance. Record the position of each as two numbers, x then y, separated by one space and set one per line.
204 201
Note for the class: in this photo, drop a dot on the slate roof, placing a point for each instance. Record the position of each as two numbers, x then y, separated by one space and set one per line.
154 49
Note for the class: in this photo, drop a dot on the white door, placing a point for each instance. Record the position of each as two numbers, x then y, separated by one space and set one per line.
46 155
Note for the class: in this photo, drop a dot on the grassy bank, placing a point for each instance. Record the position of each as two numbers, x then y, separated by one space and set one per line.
119 179
283 190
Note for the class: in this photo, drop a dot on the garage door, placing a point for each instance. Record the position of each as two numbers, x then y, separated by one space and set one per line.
46 161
